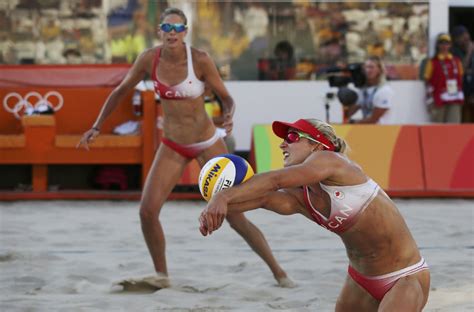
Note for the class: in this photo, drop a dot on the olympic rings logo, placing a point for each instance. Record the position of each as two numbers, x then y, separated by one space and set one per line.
28 105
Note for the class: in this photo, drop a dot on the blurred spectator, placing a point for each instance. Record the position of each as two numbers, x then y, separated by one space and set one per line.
246 66
376 49
255 20
72 56
422 68
443 76
463 47
370 35
283 65
227 47
50 30
127 41
374 98
332 51
303 42
239 40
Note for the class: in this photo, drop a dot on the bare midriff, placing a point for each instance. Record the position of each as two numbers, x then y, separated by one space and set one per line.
380 241
186 121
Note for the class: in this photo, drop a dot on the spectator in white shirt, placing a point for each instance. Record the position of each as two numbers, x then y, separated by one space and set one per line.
374 99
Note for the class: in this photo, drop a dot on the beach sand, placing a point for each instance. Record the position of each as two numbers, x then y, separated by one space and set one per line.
65 255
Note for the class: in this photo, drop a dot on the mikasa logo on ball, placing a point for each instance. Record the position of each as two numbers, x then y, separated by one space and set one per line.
210 175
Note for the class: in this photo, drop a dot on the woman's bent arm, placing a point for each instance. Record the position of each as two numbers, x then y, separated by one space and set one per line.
281 202
134 76
213 79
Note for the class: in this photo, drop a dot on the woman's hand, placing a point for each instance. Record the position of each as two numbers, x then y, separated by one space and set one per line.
212 217
88 137
228 123
203 224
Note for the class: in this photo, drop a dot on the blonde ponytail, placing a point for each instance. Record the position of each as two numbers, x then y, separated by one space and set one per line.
329 132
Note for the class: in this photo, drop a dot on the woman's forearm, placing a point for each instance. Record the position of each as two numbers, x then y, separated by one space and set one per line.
115 97
252 189
228 106
246 206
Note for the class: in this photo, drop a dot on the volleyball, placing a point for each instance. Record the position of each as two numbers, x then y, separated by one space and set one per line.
222 172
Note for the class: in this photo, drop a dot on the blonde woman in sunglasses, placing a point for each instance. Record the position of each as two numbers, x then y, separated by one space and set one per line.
386 271
179 74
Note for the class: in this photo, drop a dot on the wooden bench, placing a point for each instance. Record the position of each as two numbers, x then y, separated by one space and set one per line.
42 140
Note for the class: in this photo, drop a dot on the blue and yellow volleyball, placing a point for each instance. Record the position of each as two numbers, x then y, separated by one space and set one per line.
222 172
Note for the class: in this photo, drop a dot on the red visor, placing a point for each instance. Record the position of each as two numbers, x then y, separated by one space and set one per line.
281 129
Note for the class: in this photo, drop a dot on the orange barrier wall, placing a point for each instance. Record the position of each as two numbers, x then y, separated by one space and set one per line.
431 160
80 109
448 157
382 151
60 76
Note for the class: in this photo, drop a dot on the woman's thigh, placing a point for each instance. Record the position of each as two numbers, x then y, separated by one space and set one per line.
164 173
410 293
354 298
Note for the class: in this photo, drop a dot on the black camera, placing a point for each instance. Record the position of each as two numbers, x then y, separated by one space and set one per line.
342 76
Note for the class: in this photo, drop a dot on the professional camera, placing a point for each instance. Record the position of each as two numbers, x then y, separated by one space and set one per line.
342 76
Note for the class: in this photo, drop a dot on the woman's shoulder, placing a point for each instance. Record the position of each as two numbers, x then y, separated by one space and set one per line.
334 158
342 168
200 55
149 52
145 58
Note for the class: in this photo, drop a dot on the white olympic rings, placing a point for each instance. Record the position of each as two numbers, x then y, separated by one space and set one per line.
25 105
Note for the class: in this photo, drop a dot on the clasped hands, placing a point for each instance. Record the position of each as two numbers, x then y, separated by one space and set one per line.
213 215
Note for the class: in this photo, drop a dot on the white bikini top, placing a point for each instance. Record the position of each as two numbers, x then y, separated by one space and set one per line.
347 203
189 88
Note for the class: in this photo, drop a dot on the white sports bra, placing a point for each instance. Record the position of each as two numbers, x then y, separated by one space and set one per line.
347 202
189 88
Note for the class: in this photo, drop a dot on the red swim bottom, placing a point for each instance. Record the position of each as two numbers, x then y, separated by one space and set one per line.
183 150
193 150
378 286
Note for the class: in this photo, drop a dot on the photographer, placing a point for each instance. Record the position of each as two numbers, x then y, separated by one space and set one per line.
374 97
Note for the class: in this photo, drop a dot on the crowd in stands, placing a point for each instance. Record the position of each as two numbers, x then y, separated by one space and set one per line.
248 40
322 34
236 33
52 32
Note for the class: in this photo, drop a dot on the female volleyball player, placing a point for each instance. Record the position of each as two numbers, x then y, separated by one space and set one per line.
179 73
386 270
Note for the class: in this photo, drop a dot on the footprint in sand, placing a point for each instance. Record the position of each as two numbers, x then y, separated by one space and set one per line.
7 257
192 289
239 268
291 304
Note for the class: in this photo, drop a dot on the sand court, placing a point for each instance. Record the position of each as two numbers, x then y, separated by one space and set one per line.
65 256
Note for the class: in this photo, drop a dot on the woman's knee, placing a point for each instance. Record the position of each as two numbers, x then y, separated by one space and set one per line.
148 212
